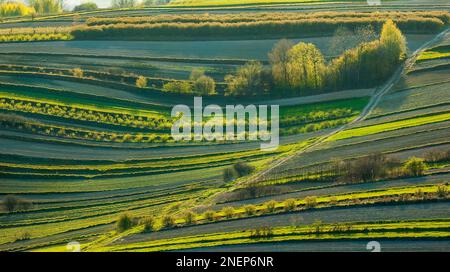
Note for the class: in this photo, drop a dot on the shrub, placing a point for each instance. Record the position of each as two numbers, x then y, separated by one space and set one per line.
14 203
77 72
204 85
262 232
149 223
229 174
181 87
89 6
141 82
310 202
168 221
228 212
23 236
247 81
249 210
123 3
189 218
414 167
289 204
124 222
442 191
210 215
270 206
243 169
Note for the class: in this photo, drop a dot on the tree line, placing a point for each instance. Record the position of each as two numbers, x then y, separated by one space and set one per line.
300 68
190 31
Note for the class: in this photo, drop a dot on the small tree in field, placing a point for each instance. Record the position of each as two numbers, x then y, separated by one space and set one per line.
228 212
149 223
289 205
168 221
77 72
442 191
310 202
141 82
204 85
210 215
414 167
189 218
124 222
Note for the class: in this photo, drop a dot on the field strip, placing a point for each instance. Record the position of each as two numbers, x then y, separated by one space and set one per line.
362 131
411 229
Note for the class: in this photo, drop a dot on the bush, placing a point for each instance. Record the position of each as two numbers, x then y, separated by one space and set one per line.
141 82
204 85
210 215
270 206
289 205
149 223
414 167
124 222
249 210
77 72
25 235
228 212
168 221
189 218
229 174
180 87
89 6
247 81
243 169
13 203
123 3
310 202
442 191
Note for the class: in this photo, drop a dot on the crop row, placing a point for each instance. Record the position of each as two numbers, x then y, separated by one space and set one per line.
85 114
176 31
263 16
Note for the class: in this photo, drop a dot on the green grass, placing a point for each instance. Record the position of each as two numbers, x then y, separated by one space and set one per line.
412 122
387 230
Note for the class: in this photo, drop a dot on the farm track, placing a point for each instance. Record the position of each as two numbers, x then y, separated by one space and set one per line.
364 114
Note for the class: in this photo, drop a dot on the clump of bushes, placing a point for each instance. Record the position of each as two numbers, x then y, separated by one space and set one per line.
168 221
238 170
209 215
261 232
228 212
198 84
442 191
189 218
149 223
289 205
88 6
13 203
414 167
141 82
125 222
77 72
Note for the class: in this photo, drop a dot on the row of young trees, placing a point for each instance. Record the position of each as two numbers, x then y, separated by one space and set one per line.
300 68
242 17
